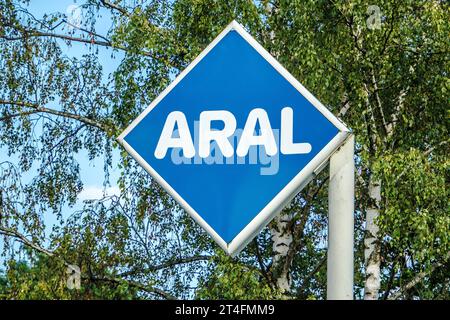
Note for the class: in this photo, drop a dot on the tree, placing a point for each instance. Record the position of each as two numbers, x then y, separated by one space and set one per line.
40 277
383 70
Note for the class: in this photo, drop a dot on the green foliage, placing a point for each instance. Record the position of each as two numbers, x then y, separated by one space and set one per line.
39 277
389 84
230 279
416 204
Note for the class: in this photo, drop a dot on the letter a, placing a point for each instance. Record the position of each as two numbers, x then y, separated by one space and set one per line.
266 138
184 141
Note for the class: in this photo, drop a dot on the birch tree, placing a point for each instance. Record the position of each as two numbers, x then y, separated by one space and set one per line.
381 67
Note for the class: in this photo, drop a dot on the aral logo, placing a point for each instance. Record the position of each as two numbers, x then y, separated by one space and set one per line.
234 138
223 139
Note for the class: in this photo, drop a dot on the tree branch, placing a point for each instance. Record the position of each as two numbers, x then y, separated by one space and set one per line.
116 7
14 115
92 41
312 273
136 285
263 268
378 100
396 114
65 114
389 31
345 107
417 279
167 264
425 153
23 239
298 229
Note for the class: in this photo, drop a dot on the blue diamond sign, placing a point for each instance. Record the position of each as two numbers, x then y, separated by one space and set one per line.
234 138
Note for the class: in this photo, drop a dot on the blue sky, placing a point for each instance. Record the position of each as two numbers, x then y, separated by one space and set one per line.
91 172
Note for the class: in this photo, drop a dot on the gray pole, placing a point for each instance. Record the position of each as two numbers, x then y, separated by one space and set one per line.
341 196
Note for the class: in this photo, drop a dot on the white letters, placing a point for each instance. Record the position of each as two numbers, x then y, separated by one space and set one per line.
265 139
220 136
184 141
287 146
248 138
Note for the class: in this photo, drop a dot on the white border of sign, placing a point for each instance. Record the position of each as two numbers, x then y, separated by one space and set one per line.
288 192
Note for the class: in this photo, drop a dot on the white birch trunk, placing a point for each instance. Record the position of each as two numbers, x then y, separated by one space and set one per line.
282 239
371 243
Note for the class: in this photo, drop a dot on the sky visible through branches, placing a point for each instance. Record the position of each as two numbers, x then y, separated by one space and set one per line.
91 172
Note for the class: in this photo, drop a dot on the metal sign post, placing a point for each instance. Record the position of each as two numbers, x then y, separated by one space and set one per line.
341 196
